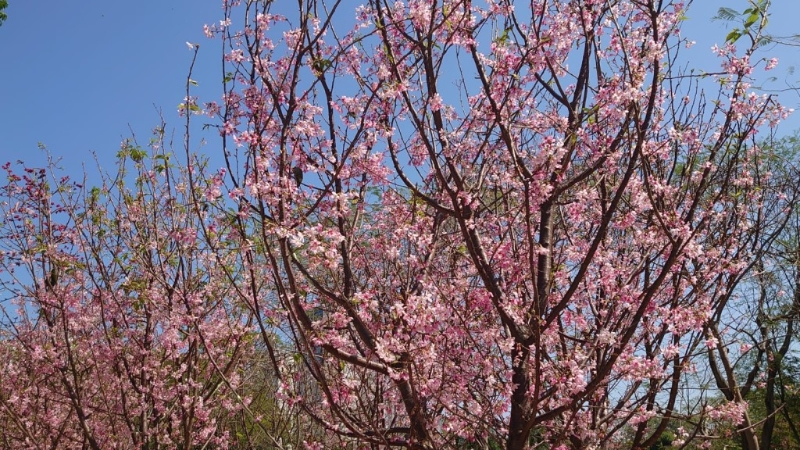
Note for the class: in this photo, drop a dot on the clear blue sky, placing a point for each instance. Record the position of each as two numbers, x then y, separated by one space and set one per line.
76 75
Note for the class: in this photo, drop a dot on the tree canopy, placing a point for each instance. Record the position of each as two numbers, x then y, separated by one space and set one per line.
429 225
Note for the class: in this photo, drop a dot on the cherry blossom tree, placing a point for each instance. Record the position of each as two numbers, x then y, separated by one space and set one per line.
125 331
490 221
450 224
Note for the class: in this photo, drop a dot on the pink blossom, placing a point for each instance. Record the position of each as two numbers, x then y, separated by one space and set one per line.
771 64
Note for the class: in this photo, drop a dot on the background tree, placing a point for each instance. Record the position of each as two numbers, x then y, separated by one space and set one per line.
125 333
757 327
3 6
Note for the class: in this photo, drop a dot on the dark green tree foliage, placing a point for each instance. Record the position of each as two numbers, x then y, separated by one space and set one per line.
757 360
751 21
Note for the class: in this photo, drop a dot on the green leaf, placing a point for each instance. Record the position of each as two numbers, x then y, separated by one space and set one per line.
733 36
3 6
95 194
320 65
503 38
726 14
191 107
751 19
138 154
